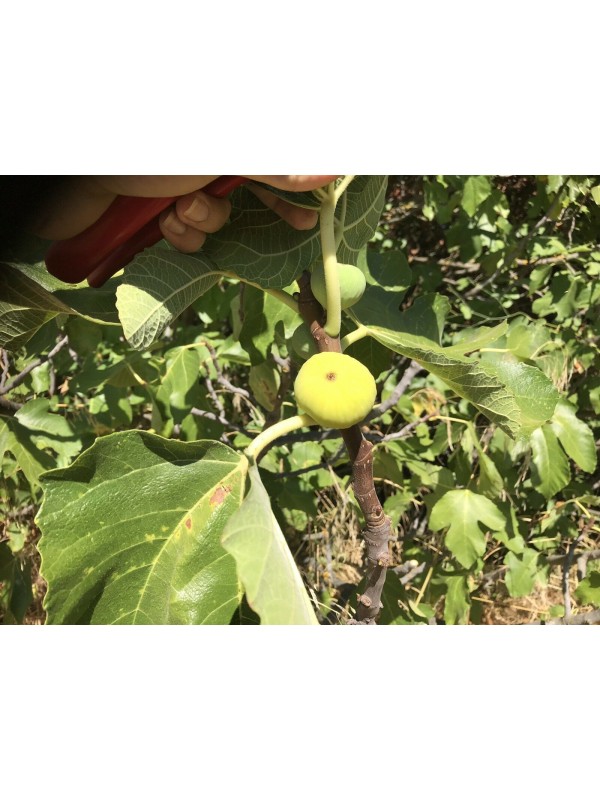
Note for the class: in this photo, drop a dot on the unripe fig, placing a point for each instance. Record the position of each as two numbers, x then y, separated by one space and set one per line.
352 284
303 343
335 389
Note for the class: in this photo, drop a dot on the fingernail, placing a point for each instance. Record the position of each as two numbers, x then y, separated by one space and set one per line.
198 211
174 225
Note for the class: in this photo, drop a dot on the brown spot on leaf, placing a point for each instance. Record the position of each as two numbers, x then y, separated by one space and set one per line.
188 523
219 495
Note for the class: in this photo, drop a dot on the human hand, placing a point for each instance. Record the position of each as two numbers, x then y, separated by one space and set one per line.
80 201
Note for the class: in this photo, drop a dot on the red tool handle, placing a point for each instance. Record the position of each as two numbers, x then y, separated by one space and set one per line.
127 226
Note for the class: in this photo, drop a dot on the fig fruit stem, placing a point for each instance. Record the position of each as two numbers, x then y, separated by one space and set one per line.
328 247
275 431
339 222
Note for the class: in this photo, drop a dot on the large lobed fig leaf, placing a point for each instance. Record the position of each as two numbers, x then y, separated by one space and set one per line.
516 396
131 532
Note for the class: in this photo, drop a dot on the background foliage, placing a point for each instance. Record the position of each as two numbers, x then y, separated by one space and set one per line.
495 529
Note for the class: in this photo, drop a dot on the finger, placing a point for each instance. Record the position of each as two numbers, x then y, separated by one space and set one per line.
73 206
180 235
153 185
302 219
202 212
294 183
77 202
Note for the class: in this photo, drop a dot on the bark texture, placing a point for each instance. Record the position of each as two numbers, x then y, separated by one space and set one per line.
378 530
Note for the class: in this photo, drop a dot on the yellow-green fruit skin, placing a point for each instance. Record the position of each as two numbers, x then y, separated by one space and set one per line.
352 284
335 389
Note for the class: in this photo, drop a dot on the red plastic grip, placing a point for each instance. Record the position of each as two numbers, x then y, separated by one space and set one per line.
129 225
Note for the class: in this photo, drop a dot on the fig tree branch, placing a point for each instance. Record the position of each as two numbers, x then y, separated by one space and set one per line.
474 266
222 379
9 405
402 386
18 379
222 419
588 618
360 451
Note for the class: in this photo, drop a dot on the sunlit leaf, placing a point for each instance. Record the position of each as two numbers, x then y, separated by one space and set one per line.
575 436
477 189
266 567
131 532
157 286
550 470
466 515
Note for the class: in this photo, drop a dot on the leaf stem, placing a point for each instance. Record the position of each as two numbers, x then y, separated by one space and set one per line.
275 431
339 191
279 294
353 336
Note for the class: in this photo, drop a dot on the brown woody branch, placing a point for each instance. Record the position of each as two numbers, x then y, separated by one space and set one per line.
5 388
378 526
589 618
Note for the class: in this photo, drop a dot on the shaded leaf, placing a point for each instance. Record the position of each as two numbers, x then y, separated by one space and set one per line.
264 380
24 306
259 246
31 460
48 429
457 605
522 572
264 318
15 585
379 308
31 297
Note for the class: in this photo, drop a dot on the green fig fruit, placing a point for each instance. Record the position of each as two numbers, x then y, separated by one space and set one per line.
336 390
352 284
303 343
